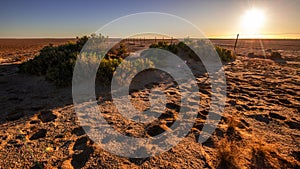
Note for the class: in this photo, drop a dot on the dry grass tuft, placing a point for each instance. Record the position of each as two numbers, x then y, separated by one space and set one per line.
262 156
265 155
228 154
232 132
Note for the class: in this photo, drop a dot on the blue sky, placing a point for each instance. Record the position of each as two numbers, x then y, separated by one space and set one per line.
76 18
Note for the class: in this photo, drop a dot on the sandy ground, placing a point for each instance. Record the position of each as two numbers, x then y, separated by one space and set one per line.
39 128
16 50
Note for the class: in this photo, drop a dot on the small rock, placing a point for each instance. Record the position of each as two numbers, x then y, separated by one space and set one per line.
78 131
40 134
46 116
79 160
80 144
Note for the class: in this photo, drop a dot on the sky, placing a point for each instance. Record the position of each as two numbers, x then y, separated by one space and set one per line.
216 19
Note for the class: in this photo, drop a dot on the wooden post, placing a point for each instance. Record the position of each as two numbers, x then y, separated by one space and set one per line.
237 37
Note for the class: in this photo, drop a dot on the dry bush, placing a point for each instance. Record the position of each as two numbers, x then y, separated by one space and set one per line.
265 156
235 151
227 154
233 123
261 156
232 150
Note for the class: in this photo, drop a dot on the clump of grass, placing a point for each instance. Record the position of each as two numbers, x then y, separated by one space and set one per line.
262 156
235 151
233 122
225 54
229 148
265 155
227 154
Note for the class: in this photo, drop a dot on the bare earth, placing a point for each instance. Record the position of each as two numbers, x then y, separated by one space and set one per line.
260 127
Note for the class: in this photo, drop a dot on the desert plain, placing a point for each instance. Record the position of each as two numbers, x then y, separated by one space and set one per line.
260 125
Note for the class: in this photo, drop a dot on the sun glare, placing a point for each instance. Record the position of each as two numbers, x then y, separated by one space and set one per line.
252 21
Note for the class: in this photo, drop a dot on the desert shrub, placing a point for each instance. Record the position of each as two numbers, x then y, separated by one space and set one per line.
122 50
183 46
61 74
225 54
164 45
160 44
275 55
227 154
265 155
56 63
129 68
106 69
261 157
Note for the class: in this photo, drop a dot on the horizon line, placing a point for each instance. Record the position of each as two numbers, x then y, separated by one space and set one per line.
246 38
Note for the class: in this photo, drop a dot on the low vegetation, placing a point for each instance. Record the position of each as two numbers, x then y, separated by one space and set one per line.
56 63
228 154
224 54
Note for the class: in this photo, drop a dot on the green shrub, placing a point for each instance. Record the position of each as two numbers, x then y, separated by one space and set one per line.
225 54
131 67
106 69
55 62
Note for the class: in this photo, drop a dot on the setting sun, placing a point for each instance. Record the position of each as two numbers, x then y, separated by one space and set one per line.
252 21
